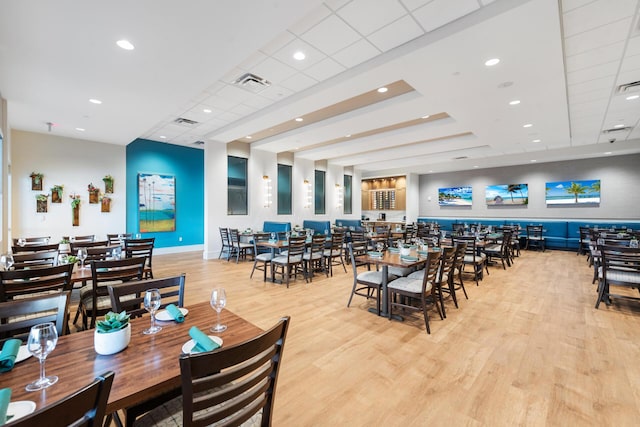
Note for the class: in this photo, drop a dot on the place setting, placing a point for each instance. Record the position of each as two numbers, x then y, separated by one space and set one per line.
201 342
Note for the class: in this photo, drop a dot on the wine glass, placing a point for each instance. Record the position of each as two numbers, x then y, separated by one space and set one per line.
21 242
63 259
82 255
152 299
218 301
7 261
116 253
42 340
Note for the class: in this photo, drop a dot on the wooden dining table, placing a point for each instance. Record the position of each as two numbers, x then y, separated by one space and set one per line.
147 368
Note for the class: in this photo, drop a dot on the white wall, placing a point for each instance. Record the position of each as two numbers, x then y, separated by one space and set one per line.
73 163
619 175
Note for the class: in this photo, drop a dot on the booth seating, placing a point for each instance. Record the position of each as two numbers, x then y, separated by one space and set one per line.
348 223
276 227
558 234
318 227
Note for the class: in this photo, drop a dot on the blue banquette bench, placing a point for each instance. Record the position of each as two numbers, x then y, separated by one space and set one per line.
348 223
318 227
275 227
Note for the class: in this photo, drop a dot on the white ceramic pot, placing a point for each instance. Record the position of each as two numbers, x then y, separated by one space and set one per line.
112 342
405 251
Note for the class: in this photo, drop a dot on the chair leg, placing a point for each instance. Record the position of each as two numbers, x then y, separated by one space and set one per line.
425 313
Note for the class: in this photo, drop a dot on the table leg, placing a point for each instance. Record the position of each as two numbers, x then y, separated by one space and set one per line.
384 311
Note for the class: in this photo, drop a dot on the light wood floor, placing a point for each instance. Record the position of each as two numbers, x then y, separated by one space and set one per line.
526 348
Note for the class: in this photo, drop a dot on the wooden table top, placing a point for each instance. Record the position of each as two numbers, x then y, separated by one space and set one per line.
394 259
146 368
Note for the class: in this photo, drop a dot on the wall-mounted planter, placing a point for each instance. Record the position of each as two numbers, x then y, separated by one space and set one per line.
94 196
75 210
105 205
41 206
108 184
56 194
36 181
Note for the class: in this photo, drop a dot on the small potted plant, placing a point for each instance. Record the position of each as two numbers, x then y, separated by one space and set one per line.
75 209
112 334
94 193
108 184
41 203
36 181
105 202
64 246
56 193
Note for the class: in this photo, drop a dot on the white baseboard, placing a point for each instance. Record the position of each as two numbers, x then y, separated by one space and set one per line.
177 249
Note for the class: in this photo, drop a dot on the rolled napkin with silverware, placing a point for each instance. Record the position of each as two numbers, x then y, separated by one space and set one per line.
175 313
8 354
5 398
203 342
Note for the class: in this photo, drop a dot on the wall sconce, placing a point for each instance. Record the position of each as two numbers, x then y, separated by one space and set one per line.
307 193
266 184
339 197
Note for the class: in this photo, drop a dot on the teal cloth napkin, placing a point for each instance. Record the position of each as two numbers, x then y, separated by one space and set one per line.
203 342
5 398
175 313
394 250
408 258
375 254
8 354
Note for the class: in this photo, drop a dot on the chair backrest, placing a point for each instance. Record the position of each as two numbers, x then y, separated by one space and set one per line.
317 244
431 268
469 242
35 248
87 238
98 253
129 297
357 236
35 280
27 312
233 383
87 244
114 239
295 249
140 248
357 249
337 239
431 238
31 240
35 259
234 237
461 249
85 407
620 265
224 236
534 231
124 269
260 238
447 261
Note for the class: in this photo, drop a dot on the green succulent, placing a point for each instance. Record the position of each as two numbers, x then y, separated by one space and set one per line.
112 322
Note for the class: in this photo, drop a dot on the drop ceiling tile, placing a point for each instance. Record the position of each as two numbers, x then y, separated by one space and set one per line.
414 4
258 101
601 95
229 116
396 33
274 70
633 46
276 92
299 82
628 77
252 61
285 55
331 35
595 107
595 57
595 72
596 14
367 16
568 5
234 94
441 12
336 4
277 43
231 77
602 83
358 52
486 2
630 63
598 37
324 69
220 103
243 109
311 20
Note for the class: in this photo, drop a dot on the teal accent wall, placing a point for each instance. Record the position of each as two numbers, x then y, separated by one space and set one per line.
187 165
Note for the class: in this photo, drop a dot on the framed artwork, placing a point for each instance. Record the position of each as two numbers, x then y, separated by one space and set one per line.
455 196
573 192
507 195
156 202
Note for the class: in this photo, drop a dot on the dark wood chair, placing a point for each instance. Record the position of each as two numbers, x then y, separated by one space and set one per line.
500 250
313 257
366 283
333 254
290 264
473 257
87 238
455 281
226 243
141 248
116 239
35 260
620 266
32 240
87 244
535 238
85 407
129 296
18 316
23 283
262 256
411 289
235 384
35 248
238 248
94 298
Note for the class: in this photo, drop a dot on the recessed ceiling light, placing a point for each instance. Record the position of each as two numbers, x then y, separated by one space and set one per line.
491 62
425 117
607 152
528 125
299 56
80 129
430 171
163 137
476 166
95 101
631 97
206 110
536 140
382 89
299 119
619 125
125 44
514 102
348 135
533 161
248 137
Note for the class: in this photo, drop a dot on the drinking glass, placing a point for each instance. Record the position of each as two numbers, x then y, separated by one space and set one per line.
21 242
82 255
63 259
7 261
116 253
42 340
218 301
152 299
138 236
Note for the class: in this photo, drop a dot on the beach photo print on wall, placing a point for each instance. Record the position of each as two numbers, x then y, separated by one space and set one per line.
455 196
507 195
573 192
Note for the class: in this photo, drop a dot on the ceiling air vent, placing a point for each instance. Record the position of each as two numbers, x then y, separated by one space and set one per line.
461 158
613 130
185 122
629 87
198 143
252 83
